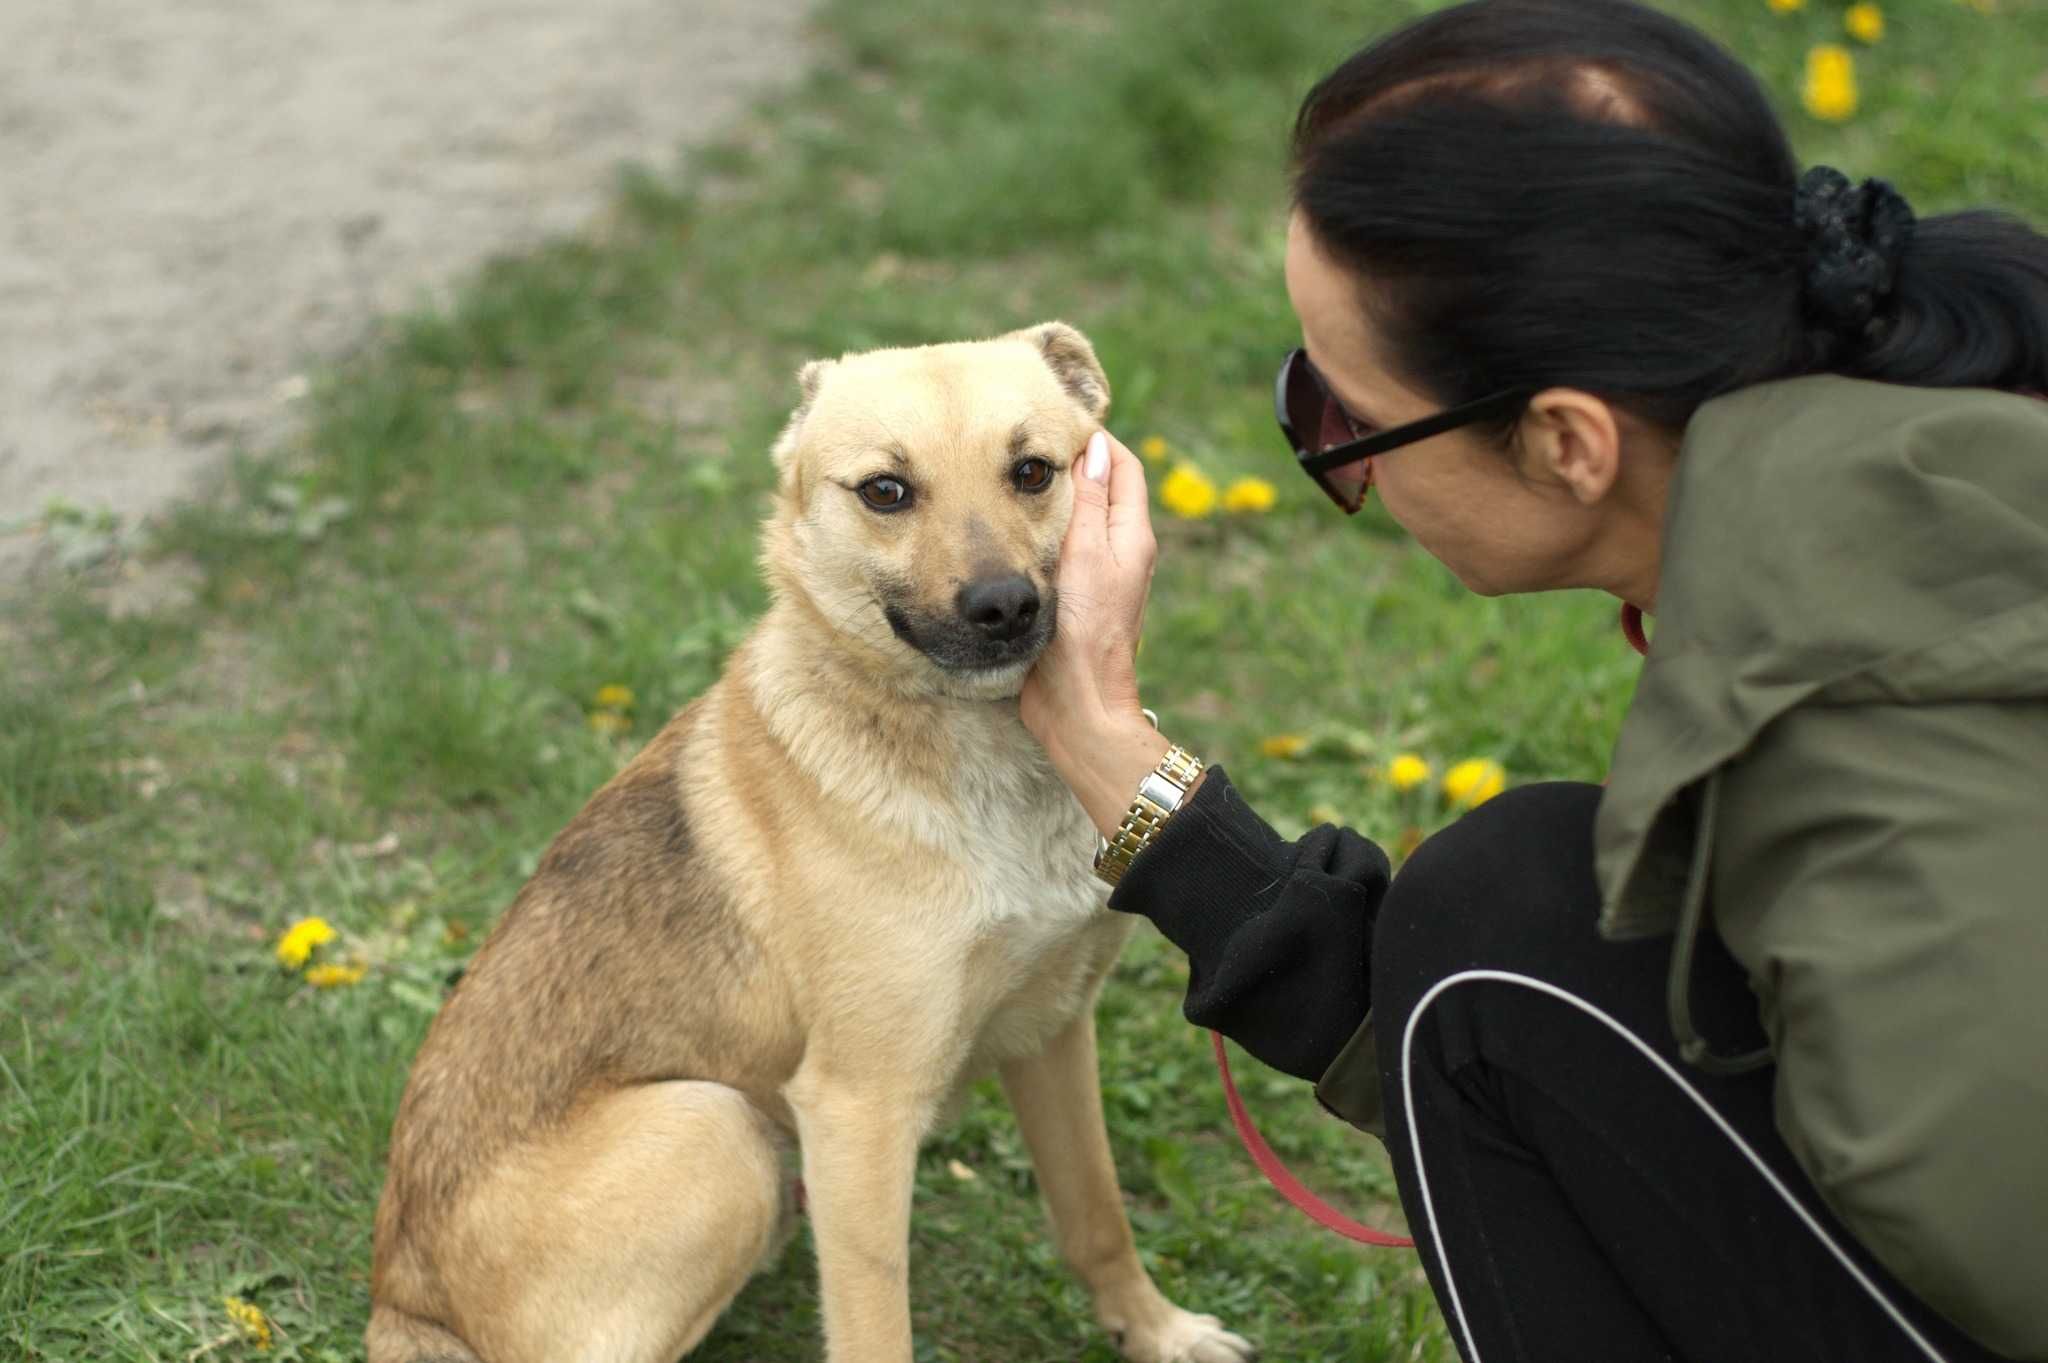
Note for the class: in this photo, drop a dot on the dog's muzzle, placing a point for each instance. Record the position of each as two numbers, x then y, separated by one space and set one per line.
996 622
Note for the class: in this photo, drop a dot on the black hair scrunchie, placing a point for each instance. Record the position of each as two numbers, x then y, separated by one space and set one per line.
1855 237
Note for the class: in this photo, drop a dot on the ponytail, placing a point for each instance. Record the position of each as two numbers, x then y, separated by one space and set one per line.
1970 309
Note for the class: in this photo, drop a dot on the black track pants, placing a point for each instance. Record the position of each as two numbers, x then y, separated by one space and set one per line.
1577 1192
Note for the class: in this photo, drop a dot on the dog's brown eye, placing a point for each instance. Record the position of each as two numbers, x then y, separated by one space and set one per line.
1033 475
885 494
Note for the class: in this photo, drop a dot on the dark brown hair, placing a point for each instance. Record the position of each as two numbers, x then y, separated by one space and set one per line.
1593 194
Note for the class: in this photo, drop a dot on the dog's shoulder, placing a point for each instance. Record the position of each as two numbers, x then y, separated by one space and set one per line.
636 819
633 855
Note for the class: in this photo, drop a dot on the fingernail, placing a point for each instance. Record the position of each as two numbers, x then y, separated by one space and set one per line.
1095 464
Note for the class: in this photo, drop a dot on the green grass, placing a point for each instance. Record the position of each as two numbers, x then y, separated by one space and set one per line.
376 710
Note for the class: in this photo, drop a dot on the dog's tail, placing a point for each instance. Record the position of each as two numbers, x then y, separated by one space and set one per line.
395 1337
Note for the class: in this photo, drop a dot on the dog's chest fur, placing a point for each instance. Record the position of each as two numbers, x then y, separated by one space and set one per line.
1038 935
1022 840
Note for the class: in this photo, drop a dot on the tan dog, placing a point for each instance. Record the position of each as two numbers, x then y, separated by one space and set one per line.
831 892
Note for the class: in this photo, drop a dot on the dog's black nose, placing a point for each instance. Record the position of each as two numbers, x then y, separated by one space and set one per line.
1000 607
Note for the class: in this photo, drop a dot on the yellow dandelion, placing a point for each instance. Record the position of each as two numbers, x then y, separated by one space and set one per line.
249 1319
610 723
1474 781
1407 771
615 697
1287 746
1830 90
1152 448
1865 22
332 976
1188 493
296 946
1786 6
1249 494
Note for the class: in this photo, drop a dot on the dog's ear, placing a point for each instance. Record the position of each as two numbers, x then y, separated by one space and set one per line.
808 380
1072 361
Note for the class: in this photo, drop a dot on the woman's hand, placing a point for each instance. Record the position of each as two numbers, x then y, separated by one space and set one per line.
1081 700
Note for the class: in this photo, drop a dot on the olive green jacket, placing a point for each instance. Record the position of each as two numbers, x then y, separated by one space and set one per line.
1838 754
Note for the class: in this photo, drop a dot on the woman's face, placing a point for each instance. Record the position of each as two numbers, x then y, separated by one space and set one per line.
1496 519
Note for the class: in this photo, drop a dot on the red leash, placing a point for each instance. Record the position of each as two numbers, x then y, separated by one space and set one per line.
1278 1174
1290 1187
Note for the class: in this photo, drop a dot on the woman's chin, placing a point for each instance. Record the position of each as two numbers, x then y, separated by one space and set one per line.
1482 583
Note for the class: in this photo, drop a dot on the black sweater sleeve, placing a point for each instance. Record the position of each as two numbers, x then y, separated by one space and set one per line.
1278 934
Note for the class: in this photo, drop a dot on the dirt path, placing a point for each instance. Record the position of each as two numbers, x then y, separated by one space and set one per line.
197 199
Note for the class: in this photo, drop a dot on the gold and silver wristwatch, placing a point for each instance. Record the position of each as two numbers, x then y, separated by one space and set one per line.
1159 795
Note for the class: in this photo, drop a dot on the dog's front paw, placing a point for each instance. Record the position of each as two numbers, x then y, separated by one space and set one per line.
1177 1336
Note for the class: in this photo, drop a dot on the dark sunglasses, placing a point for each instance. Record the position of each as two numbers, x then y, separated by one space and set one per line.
1331 447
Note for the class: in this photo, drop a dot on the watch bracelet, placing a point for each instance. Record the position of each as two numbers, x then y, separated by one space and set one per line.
1146 816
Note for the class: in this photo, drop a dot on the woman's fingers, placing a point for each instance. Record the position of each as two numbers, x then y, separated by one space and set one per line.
1088 531
1112 512
1105 569
1130 511
1108 552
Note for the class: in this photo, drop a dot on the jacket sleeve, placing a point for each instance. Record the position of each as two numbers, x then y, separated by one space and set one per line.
1278 934
1882 872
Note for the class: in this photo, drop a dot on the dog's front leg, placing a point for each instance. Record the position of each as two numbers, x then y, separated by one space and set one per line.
860 1162
1057 1096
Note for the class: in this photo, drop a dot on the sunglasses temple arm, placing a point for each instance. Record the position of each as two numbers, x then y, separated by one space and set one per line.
1353 451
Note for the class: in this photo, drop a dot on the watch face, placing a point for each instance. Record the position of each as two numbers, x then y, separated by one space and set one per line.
1156 790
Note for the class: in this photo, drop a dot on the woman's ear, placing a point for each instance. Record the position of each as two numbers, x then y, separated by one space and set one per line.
1571 437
